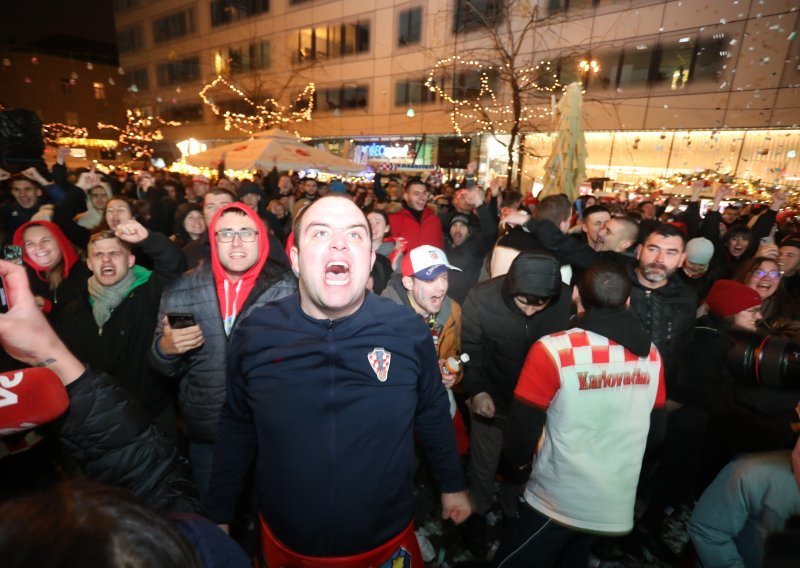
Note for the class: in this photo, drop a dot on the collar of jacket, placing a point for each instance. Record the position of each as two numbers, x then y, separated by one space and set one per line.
619 325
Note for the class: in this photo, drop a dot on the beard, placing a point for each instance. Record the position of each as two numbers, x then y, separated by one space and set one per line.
655 272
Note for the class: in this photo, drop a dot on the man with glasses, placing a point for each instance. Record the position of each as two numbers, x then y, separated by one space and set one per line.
501 319
217 294
417 223
110 327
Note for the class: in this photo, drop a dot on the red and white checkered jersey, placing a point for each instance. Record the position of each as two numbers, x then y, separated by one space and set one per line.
598 397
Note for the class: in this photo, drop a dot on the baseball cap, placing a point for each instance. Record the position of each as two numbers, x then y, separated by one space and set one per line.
426 263
699 251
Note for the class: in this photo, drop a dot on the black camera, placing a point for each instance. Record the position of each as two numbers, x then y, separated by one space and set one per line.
764 360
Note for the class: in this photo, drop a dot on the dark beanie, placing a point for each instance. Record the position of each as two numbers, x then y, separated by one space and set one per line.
728 297
459 218
248 187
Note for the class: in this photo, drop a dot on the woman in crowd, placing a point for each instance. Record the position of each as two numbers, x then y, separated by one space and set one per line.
763 275
55 275
189 224
744 416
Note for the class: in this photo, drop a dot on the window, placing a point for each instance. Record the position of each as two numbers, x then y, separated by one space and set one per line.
675 62
124 5
606 78
243 58
331 41
476 14
410 92
173 26
130 39
226 11
182 113
235 106
709 58
467 85
137 80
410 26
176 72
345 97
559 5
635 66
99 91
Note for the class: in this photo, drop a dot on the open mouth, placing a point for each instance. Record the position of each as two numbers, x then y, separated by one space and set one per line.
107 271
337 273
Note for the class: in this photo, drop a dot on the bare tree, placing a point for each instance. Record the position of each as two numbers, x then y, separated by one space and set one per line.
498 86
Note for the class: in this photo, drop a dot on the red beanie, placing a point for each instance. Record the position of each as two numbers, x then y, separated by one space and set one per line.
728 297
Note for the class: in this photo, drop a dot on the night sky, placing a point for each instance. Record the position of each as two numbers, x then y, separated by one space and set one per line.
24 22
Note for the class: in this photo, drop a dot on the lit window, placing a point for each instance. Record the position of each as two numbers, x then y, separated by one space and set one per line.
99 91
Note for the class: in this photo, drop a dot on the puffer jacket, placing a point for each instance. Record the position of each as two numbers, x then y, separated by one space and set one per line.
426 231
112 439
202 370
497 336
668 315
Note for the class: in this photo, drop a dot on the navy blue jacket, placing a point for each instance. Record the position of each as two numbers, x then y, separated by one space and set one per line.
333 444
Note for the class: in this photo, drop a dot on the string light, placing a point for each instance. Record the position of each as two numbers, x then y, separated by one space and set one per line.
52 132
267 114
87 142
483 113
140 132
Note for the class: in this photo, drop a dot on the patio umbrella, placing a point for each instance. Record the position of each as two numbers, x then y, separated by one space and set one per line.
565 169
274 148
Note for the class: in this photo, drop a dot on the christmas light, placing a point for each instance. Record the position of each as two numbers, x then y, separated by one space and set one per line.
52 132
140 132
483 113
267 114
87 142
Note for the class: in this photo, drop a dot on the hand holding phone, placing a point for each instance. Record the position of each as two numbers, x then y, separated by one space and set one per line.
180 320
180 334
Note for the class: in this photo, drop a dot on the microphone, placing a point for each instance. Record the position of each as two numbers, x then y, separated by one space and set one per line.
30 398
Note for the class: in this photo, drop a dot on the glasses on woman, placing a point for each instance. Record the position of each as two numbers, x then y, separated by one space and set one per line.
227 235
774 274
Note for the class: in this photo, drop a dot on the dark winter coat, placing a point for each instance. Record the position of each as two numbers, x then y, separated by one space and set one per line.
497 336
667 314
120 347
470 255
202 370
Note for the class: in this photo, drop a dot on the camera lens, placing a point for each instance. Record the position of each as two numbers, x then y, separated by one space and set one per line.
764 360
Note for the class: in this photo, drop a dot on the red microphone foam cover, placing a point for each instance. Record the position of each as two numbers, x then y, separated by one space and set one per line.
30 398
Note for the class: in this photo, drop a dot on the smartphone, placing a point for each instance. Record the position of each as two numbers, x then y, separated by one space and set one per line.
12 252
180 320
3 297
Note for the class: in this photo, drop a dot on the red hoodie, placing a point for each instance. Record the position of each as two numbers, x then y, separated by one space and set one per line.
67 252
232 295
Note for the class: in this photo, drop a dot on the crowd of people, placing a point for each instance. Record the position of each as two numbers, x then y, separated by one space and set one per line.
318 369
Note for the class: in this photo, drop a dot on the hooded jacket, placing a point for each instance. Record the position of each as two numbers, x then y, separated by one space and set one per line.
497 335
73 277
202 370
232 295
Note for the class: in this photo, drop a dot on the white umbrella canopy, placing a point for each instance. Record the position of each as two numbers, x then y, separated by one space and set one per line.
274 148
565 169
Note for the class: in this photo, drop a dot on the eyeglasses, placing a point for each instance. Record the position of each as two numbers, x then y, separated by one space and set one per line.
774 274
227 235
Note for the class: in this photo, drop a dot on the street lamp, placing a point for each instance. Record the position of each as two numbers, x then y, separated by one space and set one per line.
587 67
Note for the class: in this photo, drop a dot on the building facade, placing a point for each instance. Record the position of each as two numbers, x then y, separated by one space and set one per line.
653 71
